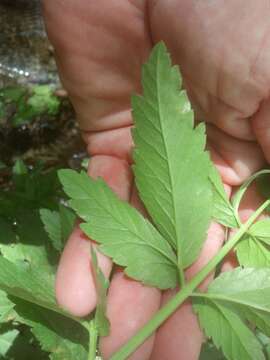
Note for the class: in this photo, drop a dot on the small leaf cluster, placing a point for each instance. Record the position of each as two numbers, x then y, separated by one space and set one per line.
26 104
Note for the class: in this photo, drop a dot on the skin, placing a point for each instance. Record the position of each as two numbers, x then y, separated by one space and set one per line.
223 50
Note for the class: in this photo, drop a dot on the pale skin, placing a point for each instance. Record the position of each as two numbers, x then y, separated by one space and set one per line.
223 49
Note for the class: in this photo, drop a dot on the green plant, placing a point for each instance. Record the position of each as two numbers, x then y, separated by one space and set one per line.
182 192
28 103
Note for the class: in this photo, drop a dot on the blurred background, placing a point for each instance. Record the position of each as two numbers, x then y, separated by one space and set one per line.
36 119
38 135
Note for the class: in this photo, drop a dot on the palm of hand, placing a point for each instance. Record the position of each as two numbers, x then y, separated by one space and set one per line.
100 49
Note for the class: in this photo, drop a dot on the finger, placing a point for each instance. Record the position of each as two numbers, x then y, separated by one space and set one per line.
261 127
75 287
230 153
130 306
229 120
210 52
100 47
180 336
236 159
116 142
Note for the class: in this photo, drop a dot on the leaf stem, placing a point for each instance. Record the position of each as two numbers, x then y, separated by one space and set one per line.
93 338
182 279
186 291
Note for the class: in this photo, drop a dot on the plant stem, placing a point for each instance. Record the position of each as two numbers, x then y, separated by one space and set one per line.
182 280
93 337
185 292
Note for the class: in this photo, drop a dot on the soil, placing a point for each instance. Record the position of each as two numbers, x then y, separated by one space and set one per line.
26 58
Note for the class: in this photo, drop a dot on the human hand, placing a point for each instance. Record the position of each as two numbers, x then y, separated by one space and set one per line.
100 49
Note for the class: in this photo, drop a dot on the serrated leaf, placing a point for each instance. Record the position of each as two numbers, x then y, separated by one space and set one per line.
210 352
261 230
227 331
32 290
251 252
248 286
32 285
102 284
247 291
52 224
6 340
123 233
6 308
222 209
171 166
62 337
26 347
30 245
58 225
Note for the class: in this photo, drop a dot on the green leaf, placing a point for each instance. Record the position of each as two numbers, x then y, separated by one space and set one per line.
222 209
261 230
171 166
28 284
19 168
247 291
24 113
52 224
246 286
62 337
251 252
210 352
58 225
25 347
268 352
6 308
101 321
43 100
227 331
124 234
30 247
12 93
6 340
